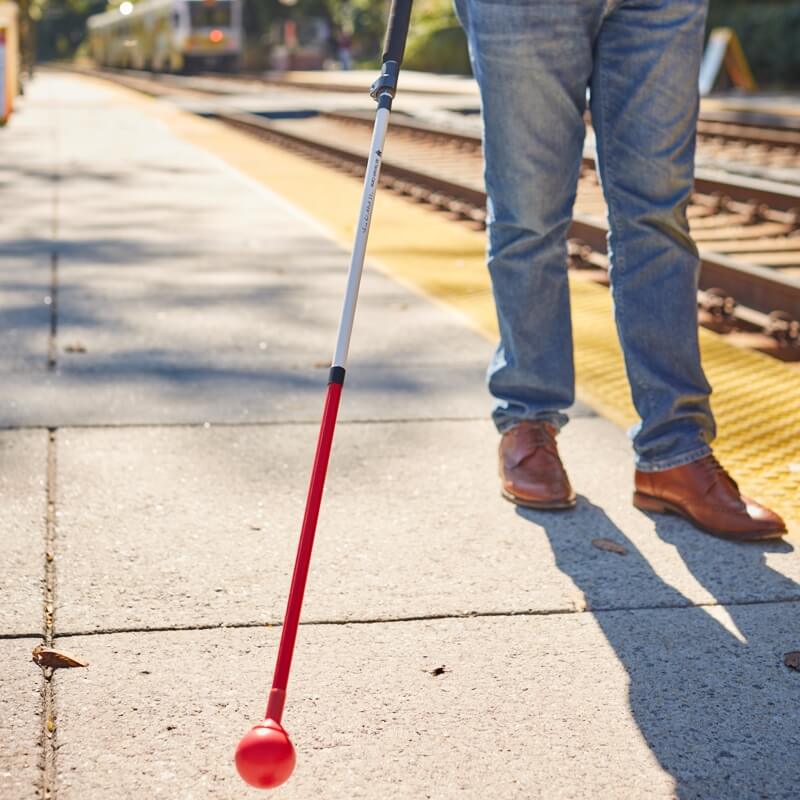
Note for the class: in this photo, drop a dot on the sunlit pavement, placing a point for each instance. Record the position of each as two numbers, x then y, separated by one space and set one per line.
166 330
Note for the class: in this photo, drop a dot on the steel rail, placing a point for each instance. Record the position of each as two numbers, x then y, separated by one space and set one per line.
780 197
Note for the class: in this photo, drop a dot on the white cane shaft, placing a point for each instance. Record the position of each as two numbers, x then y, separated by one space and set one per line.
360 244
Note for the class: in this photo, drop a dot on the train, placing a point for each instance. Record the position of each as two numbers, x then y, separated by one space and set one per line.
169 35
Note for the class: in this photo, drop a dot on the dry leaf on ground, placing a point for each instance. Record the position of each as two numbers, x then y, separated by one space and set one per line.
610 545
792 660
56 659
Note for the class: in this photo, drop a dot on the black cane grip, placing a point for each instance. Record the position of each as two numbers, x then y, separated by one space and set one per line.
395 43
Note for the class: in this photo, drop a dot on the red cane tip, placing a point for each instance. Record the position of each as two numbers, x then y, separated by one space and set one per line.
265 757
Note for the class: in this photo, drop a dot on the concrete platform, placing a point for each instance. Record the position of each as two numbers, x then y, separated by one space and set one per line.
177 303
616 704
21 721
28 187
193 318
224 505
766 108
23 471
414 82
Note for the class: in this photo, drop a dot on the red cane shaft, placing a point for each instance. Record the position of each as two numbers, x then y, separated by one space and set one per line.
304 548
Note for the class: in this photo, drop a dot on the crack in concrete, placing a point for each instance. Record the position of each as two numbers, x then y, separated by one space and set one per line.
48 740
267 423
52 342
420 617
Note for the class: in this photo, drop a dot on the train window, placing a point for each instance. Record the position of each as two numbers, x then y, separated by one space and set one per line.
210 15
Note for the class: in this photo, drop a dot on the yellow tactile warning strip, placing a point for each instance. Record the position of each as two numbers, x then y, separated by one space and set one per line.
756 399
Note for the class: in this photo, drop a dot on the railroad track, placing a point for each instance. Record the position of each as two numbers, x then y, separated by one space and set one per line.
722 138
748 230
750 248
748 149
766 150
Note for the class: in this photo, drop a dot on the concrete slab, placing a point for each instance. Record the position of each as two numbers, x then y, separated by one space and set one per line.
23 471
193 526
213 261
28 192
656 704
248 310
187 294
28 176
173 392
25 308
20 720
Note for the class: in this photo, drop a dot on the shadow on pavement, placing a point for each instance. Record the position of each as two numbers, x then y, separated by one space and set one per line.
718 710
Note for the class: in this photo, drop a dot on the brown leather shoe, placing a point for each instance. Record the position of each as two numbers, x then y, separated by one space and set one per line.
704 493
531 472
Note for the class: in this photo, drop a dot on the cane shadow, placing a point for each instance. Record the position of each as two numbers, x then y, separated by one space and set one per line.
715 705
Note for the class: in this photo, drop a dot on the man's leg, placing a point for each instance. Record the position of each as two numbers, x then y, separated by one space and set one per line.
644 102
532 61
644 108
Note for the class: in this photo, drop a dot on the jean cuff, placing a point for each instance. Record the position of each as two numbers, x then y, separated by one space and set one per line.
505 422
675 461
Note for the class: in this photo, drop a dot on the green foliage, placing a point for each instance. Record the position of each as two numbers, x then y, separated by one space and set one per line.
62 26
439 48
436 41
367 22
770 36
769 30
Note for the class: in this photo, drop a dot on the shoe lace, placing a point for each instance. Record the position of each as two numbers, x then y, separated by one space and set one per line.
540 435
716 471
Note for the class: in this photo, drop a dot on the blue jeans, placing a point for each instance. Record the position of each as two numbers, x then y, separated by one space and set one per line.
639 59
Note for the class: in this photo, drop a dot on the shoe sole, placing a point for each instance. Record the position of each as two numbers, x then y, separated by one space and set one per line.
655 505
541 505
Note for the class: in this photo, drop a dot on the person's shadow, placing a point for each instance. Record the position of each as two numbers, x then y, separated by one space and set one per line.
719 711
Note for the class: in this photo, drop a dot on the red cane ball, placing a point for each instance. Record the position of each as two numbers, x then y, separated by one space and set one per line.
265 757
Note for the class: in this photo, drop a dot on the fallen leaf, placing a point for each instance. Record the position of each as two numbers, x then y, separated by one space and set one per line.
75 347
439 671
51 726
610 545
792 660
50 657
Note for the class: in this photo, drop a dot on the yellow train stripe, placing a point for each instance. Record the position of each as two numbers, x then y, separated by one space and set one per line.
756 399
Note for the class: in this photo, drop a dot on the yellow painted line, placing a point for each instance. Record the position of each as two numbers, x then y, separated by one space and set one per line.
756 399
